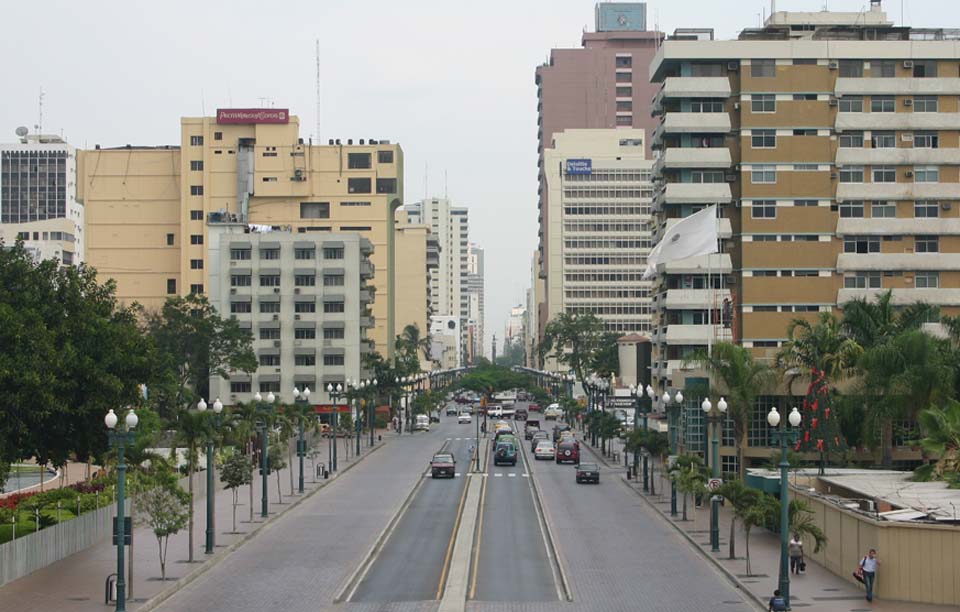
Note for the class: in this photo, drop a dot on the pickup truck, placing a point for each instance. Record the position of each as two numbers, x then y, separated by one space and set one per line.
499 411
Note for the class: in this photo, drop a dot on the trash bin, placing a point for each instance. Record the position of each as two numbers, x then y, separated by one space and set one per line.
110 590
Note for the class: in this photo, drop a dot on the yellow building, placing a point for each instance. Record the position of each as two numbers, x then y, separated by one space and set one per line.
413 257
146 207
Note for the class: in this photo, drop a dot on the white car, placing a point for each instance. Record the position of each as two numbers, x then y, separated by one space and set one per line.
464 417
422 423
545 450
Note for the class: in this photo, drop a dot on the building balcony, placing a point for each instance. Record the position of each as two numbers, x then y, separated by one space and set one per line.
692 334
899 156
665 369
897 121
717 263
692 193
900 86
366 322
691 123
693 299
896 191
366 269
898 227
904 296
690 87
675 158
879 262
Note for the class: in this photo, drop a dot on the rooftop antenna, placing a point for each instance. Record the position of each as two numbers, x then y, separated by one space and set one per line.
445 185
317 110
203 104
426 180
40 125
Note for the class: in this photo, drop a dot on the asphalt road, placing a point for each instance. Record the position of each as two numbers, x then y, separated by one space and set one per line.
512 564
412 563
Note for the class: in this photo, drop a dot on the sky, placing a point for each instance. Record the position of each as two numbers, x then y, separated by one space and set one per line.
451 81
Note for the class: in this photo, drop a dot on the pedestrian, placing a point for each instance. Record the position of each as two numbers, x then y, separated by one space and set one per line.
778 602
796 554
869 566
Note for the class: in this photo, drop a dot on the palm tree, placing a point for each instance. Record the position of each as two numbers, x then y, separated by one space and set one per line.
941 430
821 347
753 515
740 497
744 379
193 430
802 522
411 345
242 421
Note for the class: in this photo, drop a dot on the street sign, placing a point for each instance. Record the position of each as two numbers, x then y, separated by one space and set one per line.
127 530
714 483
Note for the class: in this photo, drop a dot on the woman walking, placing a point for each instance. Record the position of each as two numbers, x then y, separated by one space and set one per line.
795 548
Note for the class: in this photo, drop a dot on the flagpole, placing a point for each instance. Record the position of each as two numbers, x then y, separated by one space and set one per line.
712 299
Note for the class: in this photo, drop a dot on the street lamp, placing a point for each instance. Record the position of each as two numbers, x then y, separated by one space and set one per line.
372 411
302 400
672 420
264 409
715 417
786 437
643 403
211 528
120 439
358 419
335 393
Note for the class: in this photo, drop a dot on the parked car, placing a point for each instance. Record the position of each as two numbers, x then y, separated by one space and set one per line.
545 450
588 472
536 437
452 410
531 426
464 417
443 464
568 451
422 423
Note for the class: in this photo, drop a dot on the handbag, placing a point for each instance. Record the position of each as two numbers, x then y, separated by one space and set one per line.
803 565
858 573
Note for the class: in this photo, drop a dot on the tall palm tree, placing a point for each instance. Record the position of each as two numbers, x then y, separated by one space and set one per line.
822 346
941 431
744 379
193 429
412 344
242 421
740 496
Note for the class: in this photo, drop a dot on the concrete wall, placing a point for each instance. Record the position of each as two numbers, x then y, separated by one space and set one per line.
918 562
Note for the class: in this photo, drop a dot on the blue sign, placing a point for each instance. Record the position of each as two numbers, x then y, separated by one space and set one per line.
579 166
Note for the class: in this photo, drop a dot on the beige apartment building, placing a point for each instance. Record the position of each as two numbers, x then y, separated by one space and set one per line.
830 141
146 207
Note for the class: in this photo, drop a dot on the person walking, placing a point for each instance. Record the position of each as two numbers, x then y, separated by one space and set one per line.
869 566
795 548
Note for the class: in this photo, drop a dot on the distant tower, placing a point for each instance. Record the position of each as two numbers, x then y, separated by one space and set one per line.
494 361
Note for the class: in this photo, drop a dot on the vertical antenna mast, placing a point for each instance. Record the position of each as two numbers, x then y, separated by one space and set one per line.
318 90
40 124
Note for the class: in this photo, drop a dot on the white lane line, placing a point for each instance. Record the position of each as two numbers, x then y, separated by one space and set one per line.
498 475
457 475
512 475
526 475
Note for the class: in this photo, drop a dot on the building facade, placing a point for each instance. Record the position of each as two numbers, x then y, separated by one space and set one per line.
475 302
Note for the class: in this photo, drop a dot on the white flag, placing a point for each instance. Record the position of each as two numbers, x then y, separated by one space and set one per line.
691 236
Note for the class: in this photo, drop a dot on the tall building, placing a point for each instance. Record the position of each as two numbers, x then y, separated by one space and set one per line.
146 206
514 331
603 85
531 343
829 140
475 290
599 193
413 277
38 197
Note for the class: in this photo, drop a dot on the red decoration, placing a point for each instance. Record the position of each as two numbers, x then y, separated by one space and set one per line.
813 423
820 445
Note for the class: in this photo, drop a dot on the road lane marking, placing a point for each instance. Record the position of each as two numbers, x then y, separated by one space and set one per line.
559 579
512 474
498 475
526 475
477 538
457 475
453 539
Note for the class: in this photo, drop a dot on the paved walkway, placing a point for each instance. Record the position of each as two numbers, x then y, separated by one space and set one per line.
818 588
76 584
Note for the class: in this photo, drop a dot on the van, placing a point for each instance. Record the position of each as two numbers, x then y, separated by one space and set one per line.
422 423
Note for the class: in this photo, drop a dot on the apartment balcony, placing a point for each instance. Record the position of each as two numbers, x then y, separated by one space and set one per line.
692 193
896 191
898 227
692 123
898 156
366 296
717 263
897 121
366 322
879 262
694 299
938 86
693 334
904 296
690 87
665 369
366 269
675 158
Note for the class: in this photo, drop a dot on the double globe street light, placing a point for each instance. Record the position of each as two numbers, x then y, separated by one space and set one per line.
210 539
715 418
335 392
119 440
786 437
302 401
643 403
672 408
265 410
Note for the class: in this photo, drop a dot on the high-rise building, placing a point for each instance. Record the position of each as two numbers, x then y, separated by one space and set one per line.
146 207
38 198
475 290
414 261
531 342
603 85
829 141
514 331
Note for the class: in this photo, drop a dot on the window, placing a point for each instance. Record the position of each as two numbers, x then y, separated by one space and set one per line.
883 140
269 280
883 69
304 360
861 244
926 209
763 174
624 61
239 387
354 203
196 288
358 185
315 210
850 140
926 174
698 69
850 210
763 103
196 215
267 387
304 307
333 280
269 333
169 239
333 307
624 77
927 244
269 307
196 165
240 280
196 141
706 176
624 120
862 280
333 253
926 280
851 104
804 97
196 264
926 140
806 167
240 254
269 253
196 190
804 132
764 209
624 105
196 238
763 68
333 333
333 360
305 333
270 360
882 104
924 68
706 106
765 273
624 92
851 68
241 307
851 174
304 253
884 174
883 210
269 179
925 104
354 228
805 274
305 280
384 157
764 308
763 139
171 286
358 161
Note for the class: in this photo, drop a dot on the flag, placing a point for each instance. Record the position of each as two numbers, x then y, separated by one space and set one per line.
691 236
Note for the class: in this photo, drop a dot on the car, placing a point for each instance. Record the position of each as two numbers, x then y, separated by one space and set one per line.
553 412
443 464
505 451
422 423
559 429
531 426
464 417
494 411
452 410
434 417
588 472
536 437
520 414
501 433
568 451
545 450
534 407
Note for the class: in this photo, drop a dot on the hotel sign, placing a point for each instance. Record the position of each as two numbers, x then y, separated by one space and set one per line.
579 166
253 115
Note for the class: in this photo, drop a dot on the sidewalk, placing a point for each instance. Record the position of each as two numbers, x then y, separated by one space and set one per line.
76 584
817 588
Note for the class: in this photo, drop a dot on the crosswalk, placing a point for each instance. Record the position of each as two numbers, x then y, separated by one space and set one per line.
459 439
484 475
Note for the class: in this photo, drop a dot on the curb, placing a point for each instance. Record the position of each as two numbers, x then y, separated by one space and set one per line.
564 585
215 560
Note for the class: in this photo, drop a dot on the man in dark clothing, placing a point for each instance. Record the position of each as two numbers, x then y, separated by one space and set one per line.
777 603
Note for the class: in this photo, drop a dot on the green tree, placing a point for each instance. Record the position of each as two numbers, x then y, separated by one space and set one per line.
242 422
193 430
740 497
606 358
513 354
165 514
410 345
821 347
573 340
802 523
756 514
690 475
277 463
237 471
941 431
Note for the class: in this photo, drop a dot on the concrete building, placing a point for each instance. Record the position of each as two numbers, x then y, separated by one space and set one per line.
38 198
829 140
416 255
475 301
515 328
146 206
304 298
446 337
531 343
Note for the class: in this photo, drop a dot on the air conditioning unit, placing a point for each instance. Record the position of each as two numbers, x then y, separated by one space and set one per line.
905 137
832 102
276 289
233 263
833 65
908 64
945 205
730 178
296 317
297 290
233 396
733 66
276 317
909 173
736 106
908 102
278 370
233 292
276 344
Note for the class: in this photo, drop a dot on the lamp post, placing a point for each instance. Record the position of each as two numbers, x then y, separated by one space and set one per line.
302 400
335 393
786 437
265 409
643 402
211 528
119 440
672 408
358 420
372 410
715 418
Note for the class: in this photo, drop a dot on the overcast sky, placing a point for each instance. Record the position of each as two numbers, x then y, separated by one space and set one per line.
451 81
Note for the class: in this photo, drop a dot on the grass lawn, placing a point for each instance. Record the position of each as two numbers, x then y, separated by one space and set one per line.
26 523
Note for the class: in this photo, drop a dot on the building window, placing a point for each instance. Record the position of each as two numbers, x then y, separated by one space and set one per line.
304 253
624 92
169 239
624 120
196 238
239 387
624 105
764 209
925 104
269 253
196 215
386 185
926 174
196 264
851 68
269 280
269 360
706 106
851 174
763 103
333 333
304 360
927 244
883 69
851 140
624 77
196 289
171 286
763 174
239 254
861 244
862 280
851 104
305 333
926 280
315 210
333 307
384 157
624 61
924 68
269 333
926 209
706 176
763 139
333 360
196 165
269 307
354 203
883 210
196 141
333 253
218 135
304 307
240 280
304 280
926 140
851 210
883 140
196 190
807 97
241 307
882 104
354 228
358 185
763 68
358 161
333 280
269 179
884 174
267 387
